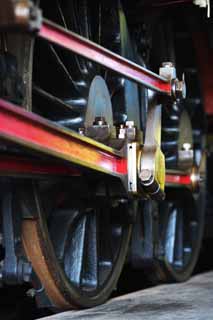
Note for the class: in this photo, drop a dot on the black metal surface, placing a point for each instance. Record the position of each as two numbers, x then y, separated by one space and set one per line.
11 85
67 76
179 233
15 269
175 226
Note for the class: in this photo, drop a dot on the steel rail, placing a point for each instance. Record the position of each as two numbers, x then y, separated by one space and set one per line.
55 34
36 133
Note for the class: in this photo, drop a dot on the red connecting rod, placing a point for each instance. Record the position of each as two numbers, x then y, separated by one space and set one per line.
37 134
71 41
34 133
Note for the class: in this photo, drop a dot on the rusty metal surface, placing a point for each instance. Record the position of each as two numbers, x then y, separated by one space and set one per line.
33 242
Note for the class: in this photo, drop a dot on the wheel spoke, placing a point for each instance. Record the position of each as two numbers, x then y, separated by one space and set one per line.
62 65
89 272
170 236
178 252
193 231
64 218
74 254
105 245
61 15
72 106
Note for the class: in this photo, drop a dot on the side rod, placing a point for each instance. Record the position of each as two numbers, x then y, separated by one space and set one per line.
35 133
55 34
25 167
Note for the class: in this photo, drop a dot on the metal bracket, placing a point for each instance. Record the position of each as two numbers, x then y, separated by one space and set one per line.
132 159
178 87
152 161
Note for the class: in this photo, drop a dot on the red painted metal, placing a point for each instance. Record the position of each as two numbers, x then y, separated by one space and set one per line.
177 179
79 45
26 167
35 133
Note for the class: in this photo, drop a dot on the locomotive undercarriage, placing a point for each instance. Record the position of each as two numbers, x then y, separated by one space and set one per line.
90 166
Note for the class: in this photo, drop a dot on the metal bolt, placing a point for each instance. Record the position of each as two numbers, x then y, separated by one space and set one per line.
187 146
130 130
146 175
99 121
122 132
167 64
31 293
179 89
81 131
130 124
168 71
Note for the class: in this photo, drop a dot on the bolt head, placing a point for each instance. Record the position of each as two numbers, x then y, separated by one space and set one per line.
100 121
31 293
81 131
167 64
130 124
179 89
146 175
168 71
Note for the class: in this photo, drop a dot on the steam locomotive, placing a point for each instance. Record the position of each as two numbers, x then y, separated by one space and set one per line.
103 121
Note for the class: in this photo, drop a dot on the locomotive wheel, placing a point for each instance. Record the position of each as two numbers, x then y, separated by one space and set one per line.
77 252
181 216
169 238
180 234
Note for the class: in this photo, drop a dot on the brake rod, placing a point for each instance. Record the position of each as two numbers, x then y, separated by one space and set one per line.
57 35
35 133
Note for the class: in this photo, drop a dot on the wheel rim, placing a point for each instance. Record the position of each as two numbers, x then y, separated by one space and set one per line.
175 221
64 89
76 255
188 204
180 233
